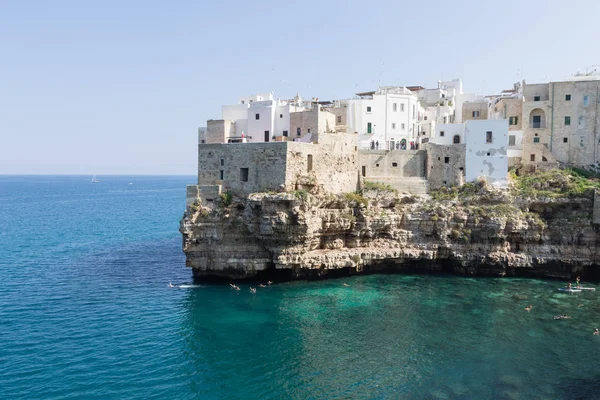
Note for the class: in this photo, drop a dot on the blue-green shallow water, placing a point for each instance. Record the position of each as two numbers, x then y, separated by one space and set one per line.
86 313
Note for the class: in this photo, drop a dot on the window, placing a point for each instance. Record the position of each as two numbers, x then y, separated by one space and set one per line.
377 165
513 120
536 98
445 119
475 114
369 109
339 119
580 121
394 107
536 140
308 130
581 141
488 154
369 127
565 140
442 133
257 116
298 131
309 163
446 160
401 106
568 97
532 157
244 174
567 120
202 141
280 115
537 121
511 140
393 125
425 118
394 164
222 162
488 137
586 101
456 139
402 126
221 174
285 133
242 101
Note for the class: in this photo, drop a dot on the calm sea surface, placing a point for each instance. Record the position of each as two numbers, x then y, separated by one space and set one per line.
86 313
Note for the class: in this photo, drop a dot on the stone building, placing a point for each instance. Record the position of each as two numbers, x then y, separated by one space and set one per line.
243 168
561 122
446 164
307 123
475 110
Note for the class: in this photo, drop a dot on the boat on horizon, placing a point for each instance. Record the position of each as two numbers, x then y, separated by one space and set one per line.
94 180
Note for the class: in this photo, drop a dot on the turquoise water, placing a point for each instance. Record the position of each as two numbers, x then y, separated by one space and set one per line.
86 313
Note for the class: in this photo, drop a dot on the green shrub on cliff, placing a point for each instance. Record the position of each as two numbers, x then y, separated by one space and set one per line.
555 183
378 186
300 194
226 198
355 197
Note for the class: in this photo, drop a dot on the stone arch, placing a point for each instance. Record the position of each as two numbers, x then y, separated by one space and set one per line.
456 139
537 118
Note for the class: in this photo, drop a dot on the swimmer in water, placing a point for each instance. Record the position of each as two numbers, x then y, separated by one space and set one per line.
269 282
528 308
562 317
596 332
171 285
261 285
577 281
252 290
569 286
345 284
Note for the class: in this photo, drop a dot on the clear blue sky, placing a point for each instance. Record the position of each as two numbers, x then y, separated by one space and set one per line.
120 87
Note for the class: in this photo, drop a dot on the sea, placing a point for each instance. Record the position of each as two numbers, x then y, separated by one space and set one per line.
86 312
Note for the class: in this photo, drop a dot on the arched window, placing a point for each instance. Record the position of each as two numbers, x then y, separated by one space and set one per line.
456 139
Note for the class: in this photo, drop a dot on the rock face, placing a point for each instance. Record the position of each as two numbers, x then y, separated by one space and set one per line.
298 235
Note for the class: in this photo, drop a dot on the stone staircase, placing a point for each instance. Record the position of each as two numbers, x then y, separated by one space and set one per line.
408 185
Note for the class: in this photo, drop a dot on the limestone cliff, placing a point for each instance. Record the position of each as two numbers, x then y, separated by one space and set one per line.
474 230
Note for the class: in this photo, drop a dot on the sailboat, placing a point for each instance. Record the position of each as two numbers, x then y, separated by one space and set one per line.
94 180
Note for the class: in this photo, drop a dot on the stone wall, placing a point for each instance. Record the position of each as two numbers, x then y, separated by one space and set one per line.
340 113
219 130
308 123
330 164
395 163
243 167
507 108
470 106
445 165
576 143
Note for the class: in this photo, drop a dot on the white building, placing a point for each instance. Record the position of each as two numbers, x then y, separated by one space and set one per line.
486 147
486 150
387 116
259 118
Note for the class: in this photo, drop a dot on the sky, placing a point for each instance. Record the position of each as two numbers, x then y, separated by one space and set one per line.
120 87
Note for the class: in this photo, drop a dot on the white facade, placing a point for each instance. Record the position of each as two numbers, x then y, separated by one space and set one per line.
447 134
386 116
486 150
259 118
515 144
